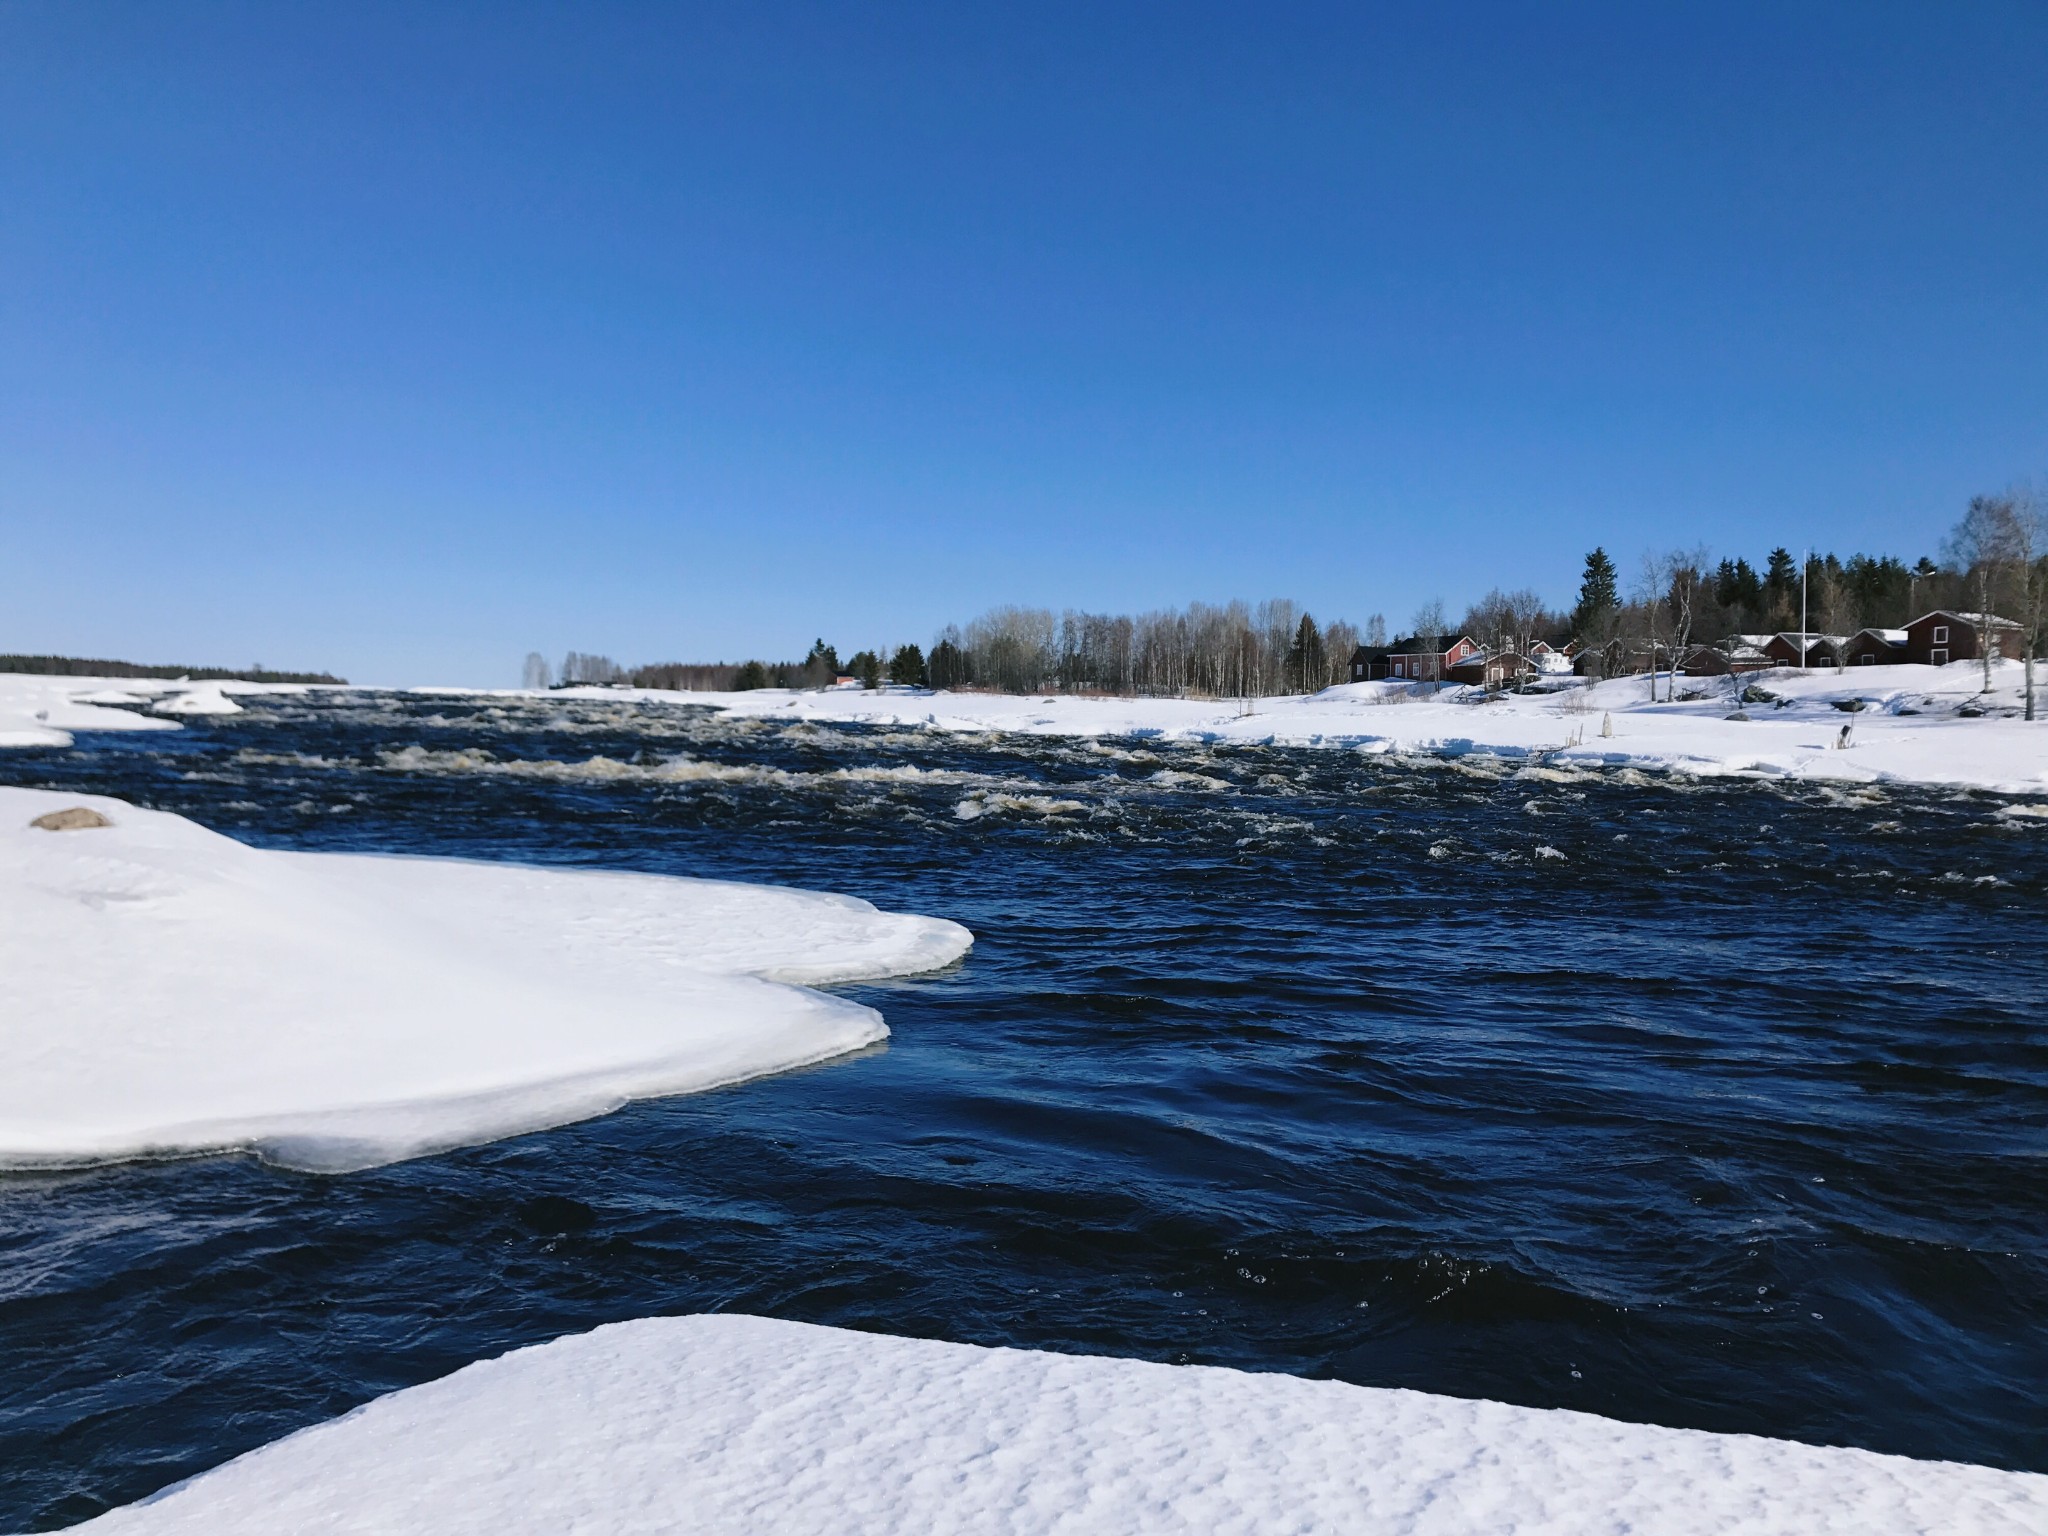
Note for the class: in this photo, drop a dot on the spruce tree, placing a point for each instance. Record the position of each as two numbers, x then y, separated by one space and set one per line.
1305 657
1599 596
907 667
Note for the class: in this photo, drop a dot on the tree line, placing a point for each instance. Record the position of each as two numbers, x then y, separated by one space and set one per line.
584 669
1233 649
85 666
1994 560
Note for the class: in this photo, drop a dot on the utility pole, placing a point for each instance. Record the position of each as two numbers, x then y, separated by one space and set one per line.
1805 564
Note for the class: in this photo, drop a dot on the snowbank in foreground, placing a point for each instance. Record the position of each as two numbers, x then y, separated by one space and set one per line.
164 989
1908 729
729 1423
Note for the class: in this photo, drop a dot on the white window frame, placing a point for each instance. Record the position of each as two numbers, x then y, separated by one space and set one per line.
1941 634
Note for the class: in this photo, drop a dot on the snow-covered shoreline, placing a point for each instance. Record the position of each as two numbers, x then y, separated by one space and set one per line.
165 990
733 1423
1906 729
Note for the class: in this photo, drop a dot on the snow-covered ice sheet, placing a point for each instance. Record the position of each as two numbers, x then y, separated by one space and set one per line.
39 711
42 710
165 990
728 1423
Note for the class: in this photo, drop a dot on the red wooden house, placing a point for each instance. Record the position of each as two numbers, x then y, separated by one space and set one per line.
1411 660
1942 636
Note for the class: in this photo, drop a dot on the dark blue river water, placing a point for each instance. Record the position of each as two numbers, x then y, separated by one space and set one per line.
1702 1103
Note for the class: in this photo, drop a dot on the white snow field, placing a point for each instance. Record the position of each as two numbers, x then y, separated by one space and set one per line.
742 1424
1908 731
168 990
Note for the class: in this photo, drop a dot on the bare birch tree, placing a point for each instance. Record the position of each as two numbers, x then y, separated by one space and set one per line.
2030 546
1687 588
1981 546
1837 610
1650 586
1430 625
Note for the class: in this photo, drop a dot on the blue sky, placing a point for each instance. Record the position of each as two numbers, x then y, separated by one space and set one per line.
402 340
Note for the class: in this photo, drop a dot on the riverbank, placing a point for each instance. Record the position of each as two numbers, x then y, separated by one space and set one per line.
1904 724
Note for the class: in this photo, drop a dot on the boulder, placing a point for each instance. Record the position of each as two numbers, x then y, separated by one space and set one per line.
71 819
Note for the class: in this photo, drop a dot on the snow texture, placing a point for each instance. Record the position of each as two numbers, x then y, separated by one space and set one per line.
728 1423
166 990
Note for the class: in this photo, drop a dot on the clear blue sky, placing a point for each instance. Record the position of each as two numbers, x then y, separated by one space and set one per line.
403 340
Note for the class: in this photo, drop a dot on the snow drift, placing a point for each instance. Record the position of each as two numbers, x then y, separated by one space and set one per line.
728 1423
167 990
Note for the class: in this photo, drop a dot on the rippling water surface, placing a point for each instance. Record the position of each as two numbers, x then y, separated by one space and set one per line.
1702 1103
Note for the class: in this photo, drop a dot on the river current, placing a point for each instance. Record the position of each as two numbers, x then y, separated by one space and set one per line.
1709 1103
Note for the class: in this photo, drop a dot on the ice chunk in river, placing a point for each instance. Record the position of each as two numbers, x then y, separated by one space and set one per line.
166 990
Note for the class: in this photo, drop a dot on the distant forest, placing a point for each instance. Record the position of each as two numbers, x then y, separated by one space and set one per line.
1994 560
81 666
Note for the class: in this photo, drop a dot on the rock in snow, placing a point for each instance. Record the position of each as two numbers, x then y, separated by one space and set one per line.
166 990
73 818
729 1423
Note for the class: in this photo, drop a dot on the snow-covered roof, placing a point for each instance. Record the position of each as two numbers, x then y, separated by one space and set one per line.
1888 636
1975 620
